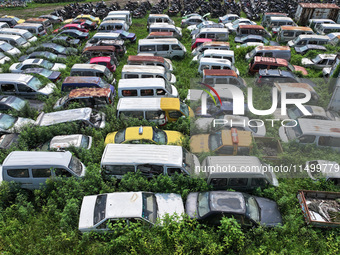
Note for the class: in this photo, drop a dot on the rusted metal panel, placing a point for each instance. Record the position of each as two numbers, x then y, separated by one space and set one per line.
221 72
81 79
251 27
306 11
141 59
89 92
319 6
293 28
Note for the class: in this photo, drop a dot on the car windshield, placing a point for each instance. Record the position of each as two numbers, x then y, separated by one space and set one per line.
35 84
291 67
76 166
63 100
99 209
28 35
252 53
168 87
296 40
104 84
293 132
252 209
215 141
149 208
253 126
85 140
6 47
317 59
120 136
203 203
46 72
159 136
46 64
17 103
168 76
7 121
184 109
59 48
21 41
294 113
125 33
188 161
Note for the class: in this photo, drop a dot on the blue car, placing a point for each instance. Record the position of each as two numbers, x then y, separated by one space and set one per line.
126 35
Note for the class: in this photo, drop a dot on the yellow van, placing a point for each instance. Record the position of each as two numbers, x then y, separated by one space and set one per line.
224 143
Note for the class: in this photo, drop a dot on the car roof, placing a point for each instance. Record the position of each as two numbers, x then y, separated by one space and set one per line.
63 141
271 72
89 92
145 82
227 202
322 127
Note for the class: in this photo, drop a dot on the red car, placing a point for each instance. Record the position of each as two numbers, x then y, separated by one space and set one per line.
104 61
71 26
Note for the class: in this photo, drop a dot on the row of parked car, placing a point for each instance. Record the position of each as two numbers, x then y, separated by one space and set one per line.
147 90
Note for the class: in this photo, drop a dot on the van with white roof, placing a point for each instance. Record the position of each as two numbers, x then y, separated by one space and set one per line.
140 72
237 172
102 36
150 159
270 51
122 12
218 54
275 23
31 169
302 40
314 23
159 18
163 27
323 133
150 61
112 25
324 29
216 64
169 48
22 32
148 87
14 40
216 34
92 70
287 33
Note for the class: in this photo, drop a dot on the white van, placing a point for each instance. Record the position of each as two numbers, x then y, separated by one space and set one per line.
314 23
14 40
159 18
4 25
31 169
121 12
34 28
124 18
323 133
101 36
324 29
270 51
237 172
218 54
21 32
211 45
170 48
275 23
150 159
216 34
112 25
149 87
139 72
92 70
9 49
164 27
150 61
302 40
216 64
287 33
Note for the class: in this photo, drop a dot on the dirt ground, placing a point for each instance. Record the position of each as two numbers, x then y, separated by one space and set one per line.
46 9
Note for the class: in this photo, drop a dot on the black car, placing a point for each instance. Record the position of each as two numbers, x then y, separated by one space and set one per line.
53 76
74 33
86 24
209 207
304 49
42 54
66 40
54 48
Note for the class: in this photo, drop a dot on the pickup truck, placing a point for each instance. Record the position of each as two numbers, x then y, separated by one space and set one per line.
320 208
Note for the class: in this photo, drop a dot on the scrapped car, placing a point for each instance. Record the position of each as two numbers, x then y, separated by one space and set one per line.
269 77
54 48
86 116
75 33
11 124
71 27
249 44
228 18
304 49
35 62
9 49
11 103
63 142
135 135
258 63
126 35
232 27
98 211
53 76
66 40
52 18
251 38
104 61
231 121
323 169
193 20
210 206
43 54
320 61
18 20
205 24
89 97
223 143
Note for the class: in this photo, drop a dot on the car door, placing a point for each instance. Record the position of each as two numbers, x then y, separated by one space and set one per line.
40 176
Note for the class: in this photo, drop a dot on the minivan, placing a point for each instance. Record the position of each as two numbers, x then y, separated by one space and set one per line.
160 35
270 51
324 29
24 85
45 22
154 109
275 23
36 29
138 72
159 18
4 25
323 133
223 76
31 169
112 25
216 64
9 49
14 40
244 30
314 23
211 45
149 87
92 70
150 61
121 18
218 54
122 12
302 40
74 82
216 34
287 33
237 172
150 159
22 32
169 48
162 27
100 36
267 15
